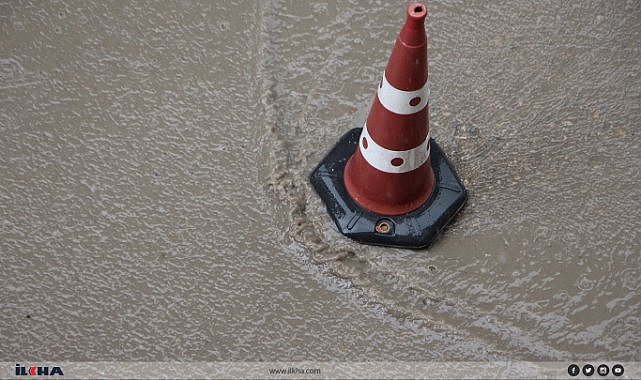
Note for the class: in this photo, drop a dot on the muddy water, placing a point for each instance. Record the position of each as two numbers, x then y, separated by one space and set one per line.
154 201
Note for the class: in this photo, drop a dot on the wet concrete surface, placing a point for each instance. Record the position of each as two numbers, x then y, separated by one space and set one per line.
154 201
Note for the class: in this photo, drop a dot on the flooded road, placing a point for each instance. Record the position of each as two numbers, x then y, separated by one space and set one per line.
154 201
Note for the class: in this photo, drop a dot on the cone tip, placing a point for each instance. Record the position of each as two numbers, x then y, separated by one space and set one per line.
413 32
416 12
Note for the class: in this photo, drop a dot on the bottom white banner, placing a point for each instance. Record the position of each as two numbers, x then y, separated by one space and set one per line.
321 370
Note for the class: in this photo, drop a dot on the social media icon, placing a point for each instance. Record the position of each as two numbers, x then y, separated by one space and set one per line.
573 370
617 370
588 370
603 370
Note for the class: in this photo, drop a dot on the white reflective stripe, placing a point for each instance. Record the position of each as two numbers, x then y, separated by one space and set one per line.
381 158
398 101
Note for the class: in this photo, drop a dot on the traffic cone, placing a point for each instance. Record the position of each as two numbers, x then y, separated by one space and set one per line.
390 173
388 183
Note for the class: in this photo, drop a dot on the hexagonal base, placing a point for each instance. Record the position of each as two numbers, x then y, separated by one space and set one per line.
416 229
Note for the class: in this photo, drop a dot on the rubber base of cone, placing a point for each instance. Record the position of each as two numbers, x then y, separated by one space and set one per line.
416 229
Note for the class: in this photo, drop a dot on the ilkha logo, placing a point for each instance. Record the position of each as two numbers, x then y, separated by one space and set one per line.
38 371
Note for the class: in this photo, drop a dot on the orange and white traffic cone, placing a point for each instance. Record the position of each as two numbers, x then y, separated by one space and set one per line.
389 183
390 173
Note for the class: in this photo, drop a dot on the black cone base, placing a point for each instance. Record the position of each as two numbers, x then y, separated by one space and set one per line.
416 229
